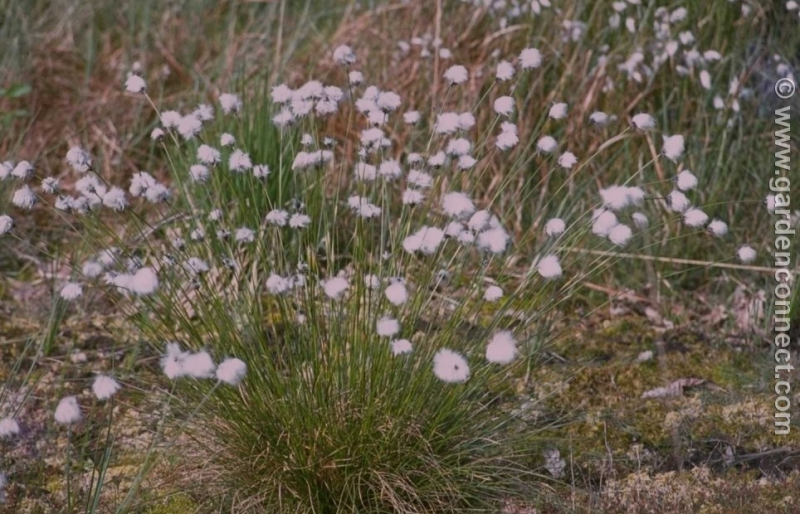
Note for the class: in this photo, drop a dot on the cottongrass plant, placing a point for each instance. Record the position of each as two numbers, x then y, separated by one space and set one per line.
340 320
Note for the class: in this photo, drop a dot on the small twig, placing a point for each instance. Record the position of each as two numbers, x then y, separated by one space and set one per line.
674 260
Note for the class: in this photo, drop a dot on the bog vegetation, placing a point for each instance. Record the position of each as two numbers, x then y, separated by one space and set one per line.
337 267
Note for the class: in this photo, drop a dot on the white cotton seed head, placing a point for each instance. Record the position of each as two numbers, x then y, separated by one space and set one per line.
493 293
355 78
388 101
456 74
79 159
411 117
8 427
204 112
397 294
769 202
555 227
705 79
494 240
24 198
457 205
686 180
640 220
459 146
746 254
479 221
231 371
643 121
135 84
558 111
50 185
71 291
599 118
335 287
505 70
230 103
68 411
507 140
616 197
199 173
549 267
189 126
281 94
419 179
718 227
546 144
239 161
567 160
390 169
104 387
115 199
299 220
695 218
450 366
6 224
673 147
344 55
678 201
277 284
502 349
530 58
208 155
447 123
401 346
170 119
466 162
387 327
199 365
144 282
603 222
504 106
620 234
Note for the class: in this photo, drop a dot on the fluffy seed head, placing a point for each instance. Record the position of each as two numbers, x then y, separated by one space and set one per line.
396 293
493 293
643 121
71 291
504 106
555 227
695 218
387 327
549 267
673 147
530 58
546 144
718 227
686 180
401 346
620 234
456 74
450 366
199 365
558 111
135 84
104 387
8 427
68 411
502 349
746 254
231 371
6 224
335 287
